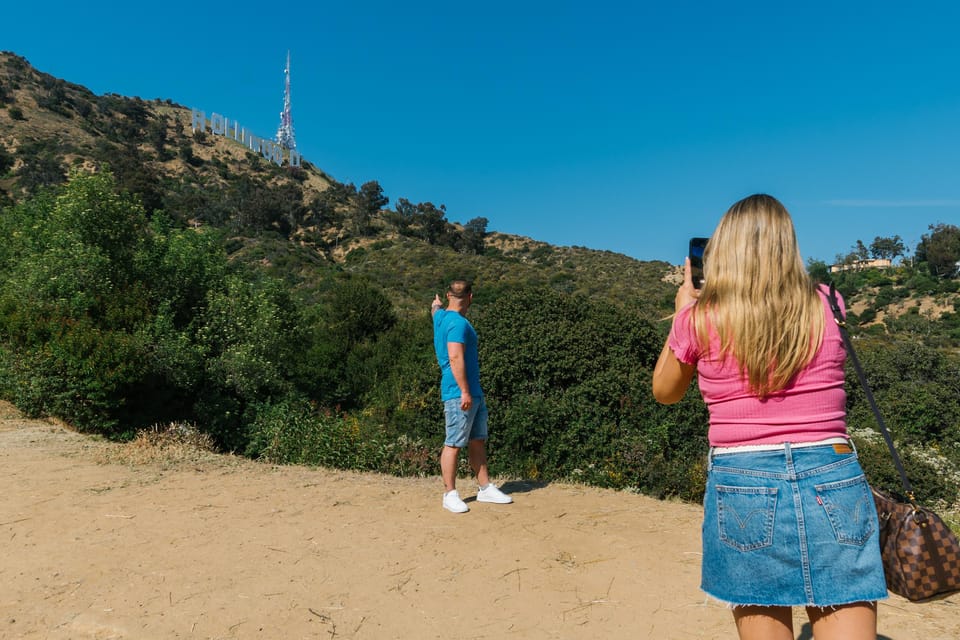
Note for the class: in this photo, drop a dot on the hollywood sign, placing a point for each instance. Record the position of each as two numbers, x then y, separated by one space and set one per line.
222 126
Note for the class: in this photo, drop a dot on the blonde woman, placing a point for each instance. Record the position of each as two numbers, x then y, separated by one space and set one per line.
788 516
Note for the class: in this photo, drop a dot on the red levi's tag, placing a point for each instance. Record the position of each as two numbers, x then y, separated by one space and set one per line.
842 448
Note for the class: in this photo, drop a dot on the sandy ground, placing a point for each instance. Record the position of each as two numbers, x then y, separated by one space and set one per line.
225 548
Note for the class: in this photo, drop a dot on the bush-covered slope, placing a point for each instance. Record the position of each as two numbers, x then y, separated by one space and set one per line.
148 275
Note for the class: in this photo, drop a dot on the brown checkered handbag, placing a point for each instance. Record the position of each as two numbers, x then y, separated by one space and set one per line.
921 555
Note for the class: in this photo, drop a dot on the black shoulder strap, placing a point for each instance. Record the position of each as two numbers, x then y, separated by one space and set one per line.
841 322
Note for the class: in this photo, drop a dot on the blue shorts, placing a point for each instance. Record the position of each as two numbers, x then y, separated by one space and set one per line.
791 527
463 426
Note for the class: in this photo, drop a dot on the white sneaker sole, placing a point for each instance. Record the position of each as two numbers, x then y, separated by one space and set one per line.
456 510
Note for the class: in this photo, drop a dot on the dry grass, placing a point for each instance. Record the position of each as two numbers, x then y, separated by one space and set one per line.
931 307
168 445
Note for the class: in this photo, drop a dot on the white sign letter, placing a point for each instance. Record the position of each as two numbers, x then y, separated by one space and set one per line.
199 120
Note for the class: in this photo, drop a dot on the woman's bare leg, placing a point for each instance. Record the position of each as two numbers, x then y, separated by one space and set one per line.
764 623
857 621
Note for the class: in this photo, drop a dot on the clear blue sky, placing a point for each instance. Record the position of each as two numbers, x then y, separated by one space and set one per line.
625 126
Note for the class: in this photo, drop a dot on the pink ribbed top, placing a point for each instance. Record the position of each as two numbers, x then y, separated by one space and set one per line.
812 407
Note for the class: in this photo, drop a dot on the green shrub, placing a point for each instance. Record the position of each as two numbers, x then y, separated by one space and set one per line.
868 316
932 481
292 432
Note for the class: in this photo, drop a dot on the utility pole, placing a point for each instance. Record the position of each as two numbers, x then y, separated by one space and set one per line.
285 132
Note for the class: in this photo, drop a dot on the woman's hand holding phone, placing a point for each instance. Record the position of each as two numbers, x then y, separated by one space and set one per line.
687 293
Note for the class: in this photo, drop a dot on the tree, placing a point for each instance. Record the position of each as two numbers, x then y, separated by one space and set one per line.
71 304
260 205
406 209
368 201
860 250
251 338
818 270
433 221
404 215
351 320
473 234
403 380
40 170
564 373
328 206
370 197
359 311
847 260
887 248
940 249
133 172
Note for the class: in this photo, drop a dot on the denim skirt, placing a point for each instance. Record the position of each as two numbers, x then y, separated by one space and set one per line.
795 526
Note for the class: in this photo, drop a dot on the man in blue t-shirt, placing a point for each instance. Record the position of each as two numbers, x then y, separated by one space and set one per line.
455 343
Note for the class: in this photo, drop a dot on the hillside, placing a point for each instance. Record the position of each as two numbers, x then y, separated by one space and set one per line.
72 127
156 276
302 224
305 220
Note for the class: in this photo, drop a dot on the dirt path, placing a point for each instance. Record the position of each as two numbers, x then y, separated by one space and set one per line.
224 548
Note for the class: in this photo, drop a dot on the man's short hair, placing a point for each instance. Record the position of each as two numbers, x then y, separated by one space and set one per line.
460 288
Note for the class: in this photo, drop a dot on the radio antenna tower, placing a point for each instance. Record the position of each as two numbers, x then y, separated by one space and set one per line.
285 132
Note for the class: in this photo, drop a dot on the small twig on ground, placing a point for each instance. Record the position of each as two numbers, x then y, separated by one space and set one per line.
325 619
516 571
584 605
400 585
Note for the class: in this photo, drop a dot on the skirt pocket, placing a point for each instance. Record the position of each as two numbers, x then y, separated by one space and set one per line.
850 509
745 516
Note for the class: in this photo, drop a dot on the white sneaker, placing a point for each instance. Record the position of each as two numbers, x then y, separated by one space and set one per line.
452 502
490 493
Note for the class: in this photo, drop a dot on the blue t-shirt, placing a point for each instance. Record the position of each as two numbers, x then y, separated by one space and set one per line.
450 326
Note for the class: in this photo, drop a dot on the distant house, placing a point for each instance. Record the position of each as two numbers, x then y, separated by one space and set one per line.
860 265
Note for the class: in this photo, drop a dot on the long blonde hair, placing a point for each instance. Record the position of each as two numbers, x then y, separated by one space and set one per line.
758 296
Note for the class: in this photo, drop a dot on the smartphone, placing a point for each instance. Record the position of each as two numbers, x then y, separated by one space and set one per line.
697 245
